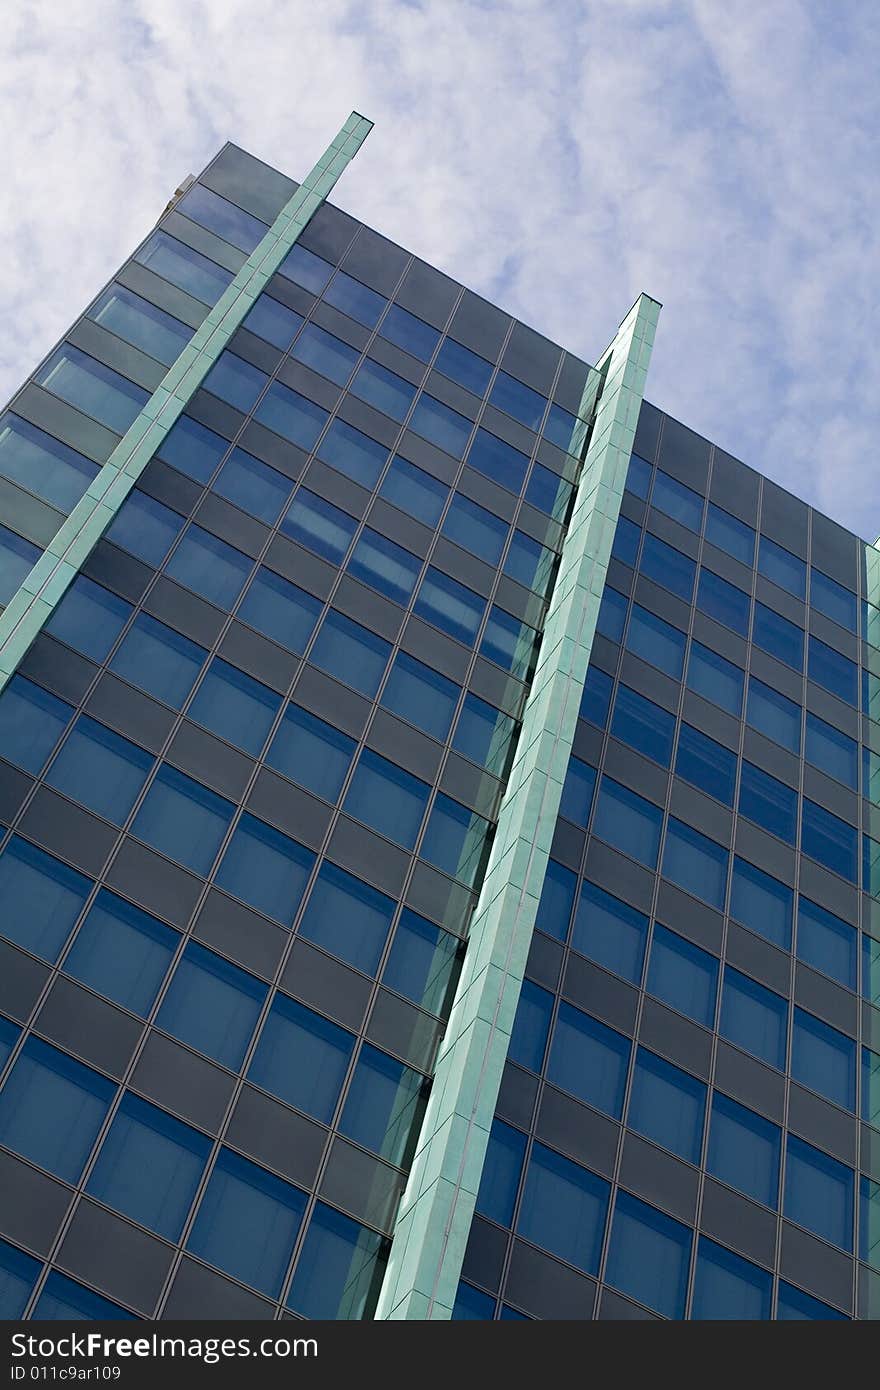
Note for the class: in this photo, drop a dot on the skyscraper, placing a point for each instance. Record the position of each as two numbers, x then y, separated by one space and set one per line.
437 838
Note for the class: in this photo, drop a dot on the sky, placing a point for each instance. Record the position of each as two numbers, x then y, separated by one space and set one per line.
557 156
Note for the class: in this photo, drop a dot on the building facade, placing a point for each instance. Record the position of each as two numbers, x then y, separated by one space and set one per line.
438 852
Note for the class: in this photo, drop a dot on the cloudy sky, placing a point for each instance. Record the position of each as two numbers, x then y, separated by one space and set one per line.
557 156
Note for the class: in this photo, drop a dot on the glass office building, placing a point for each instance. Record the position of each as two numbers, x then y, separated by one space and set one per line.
438 853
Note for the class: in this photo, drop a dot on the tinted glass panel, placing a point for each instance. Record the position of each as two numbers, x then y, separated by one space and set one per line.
421 695
628 822
706 764
695 863
833 672
730 534
235 706
348 918
498 460
91 387
291 415
51 1109
319 525
778 636
273 321
610 932
589 1059
138 321
253 486
768 802
829 839
754 1017
827 942
188 269
387 798
183 819
773 715
280 610
158 660
723 602
656 641
716 679
31 723
441 425
209 566
302 1058
266 869
89 618
383 389
412 334
667 1105
311 752
824 1059
761 903
212 1005
100 769
783 568
385 566
563 1208
727 1286
325 354
247 1223
414 491
648 1256
744 1150
668 567
818 1192
43 465
122 952
353 453
450 606
41 898
676 500
831 751
351 653
683 975
464 366
643 725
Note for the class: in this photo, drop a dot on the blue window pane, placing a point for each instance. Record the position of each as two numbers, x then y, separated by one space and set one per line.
305 268
137 321
122 952
656 642
247 1223
531 1025
869 1221
824 1059
319 525
301 1057
9 1034
648 1256
280 610
773 715
385 797
348 918
149 1167
827 942
408 332
832 752
643 725
63 1300
612 614
475 529
818 1192
778 636
626 541
783 568
472 1305
675 500
18 1274
209 566
638 476
870 968
253 486
89 618
628 822
498 460
51 1109
384 1106
577 791
92 387
441 425
385 566
589 1059
351 653
870 863
716 679
192 449
31 723
667 1105
231 223
456 840
291 415
355 299
212 1005
510 643
235 381
273 321
548 492
727 1286
596 698
723 602
829 839
695 863
530 563
501 1173
706 764
768 802
353 453
563 1208
181 266
340 1269
683 975
414 491
563 429
266 869
383 389
668 567
17 559
235 706
754 1018
744 1150
518 400
485 735
833 672
159 660
871 1087
834 600
100 769
41 898
324 353
145 527
423 962
183 819
730 534
421 695
464 366
794 1305
450 606
557 900
42 464
311 752
610 932
761 903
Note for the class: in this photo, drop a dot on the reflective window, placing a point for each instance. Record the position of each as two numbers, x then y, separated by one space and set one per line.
827 942
302 1058
18 1275
209 566
730 534
348 918
683 975
695 862
145 527
564 429
577 791
291 415
141 323
43 465
253 486
351 653
305 268
773 715
88 618
423 962
471 1304
502 1169
818 1192
676 500
498 460
355 299
667 1105
449 605
723 602
235 706
184 267
626 541
871 1087
100 769
794 1305
510 643
596 697
783 568
212 1005
563 1208
159 660
829 839
63 1300
611 619
273 321
220 216
753 1017
9 1034
385 566
824 1059
744 1150
705 764
833 672
456 840
235 381
352 453
385 797
311 752
628 822
280 610
17 559
464 366
31 723
531 1025
638 476
727 1286
610 932
325 354
421 695
414 491
122 952
716 679
384 1105
768 802
441 425
518 400
266 869
648 1256
41 898
778 636
668 567
318 525
475 529
192 449
643 725
485 735
340 1269
557 900
383 389
761 903
831 751
834 600
656 641
401 327
183 819
51 1109
589 1059
869 1221
548 492
91 387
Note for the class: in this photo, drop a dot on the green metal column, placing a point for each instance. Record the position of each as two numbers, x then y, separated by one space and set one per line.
45 586
436 1210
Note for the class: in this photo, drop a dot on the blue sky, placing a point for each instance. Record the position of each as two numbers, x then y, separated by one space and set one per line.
557 156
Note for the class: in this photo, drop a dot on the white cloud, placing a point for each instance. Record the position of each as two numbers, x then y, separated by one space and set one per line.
558 154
